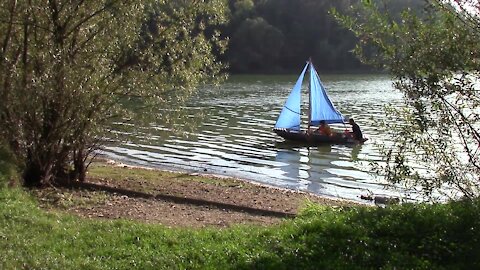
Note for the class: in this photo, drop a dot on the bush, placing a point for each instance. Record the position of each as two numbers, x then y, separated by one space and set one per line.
8 167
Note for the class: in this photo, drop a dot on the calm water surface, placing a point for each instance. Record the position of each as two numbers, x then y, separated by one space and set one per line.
235 137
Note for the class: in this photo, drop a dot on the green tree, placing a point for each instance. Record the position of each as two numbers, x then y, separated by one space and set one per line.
255 45
434 59
243 8
66 66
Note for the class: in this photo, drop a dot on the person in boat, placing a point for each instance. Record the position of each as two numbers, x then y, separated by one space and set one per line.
324 129
356 131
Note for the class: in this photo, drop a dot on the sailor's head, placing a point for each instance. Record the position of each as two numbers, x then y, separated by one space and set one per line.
322 123
351 121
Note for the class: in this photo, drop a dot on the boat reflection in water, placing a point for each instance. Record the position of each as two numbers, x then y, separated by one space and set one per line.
315 168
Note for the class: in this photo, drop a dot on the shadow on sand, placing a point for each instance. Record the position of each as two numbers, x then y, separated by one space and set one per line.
180 200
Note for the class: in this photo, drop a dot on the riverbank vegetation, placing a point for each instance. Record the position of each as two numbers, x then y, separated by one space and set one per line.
66 69
434 60
418 236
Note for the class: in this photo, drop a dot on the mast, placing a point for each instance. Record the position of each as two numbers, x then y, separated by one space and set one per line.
309 94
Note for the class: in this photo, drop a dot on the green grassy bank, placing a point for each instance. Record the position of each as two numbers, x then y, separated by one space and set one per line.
442 236
409 236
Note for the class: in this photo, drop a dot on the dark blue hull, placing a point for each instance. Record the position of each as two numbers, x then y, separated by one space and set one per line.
315 138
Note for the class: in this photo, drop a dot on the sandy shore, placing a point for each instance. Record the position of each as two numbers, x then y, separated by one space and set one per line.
179 199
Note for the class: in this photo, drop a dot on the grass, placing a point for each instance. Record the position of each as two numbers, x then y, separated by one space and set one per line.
409 236
65 200
418 236
100 170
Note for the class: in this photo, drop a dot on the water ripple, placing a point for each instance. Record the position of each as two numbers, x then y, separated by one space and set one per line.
236 138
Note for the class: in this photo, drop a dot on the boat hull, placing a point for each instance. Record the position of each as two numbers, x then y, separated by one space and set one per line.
315 138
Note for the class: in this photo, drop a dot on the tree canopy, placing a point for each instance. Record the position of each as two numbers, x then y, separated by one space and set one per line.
274 36
67 66
434 59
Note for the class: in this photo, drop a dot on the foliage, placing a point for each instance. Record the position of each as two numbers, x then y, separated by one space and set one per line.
439 236
66 67
246 40
434 60
279 35
268 36
8 167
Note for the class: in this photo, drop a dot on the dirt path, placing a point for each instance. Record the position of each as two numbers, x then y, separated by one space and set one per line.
185 200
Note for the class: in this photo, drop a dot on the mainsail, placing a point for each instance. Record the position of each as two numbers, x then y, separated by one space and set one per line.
321 108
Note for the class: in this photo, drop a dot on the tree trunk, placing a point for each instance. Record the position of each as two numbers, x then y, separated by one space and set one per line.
31 175
79 169
37 172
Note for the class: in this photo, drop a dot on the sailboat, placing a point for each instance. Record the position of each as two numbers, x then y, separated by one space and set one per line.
320 107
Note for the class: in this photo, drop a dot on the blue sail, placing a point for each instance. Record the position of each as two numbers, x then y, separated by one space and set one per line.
321 108
290 116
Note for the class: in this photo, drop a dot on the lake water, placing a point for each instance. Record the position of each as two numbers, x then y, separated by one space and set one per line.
235 138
